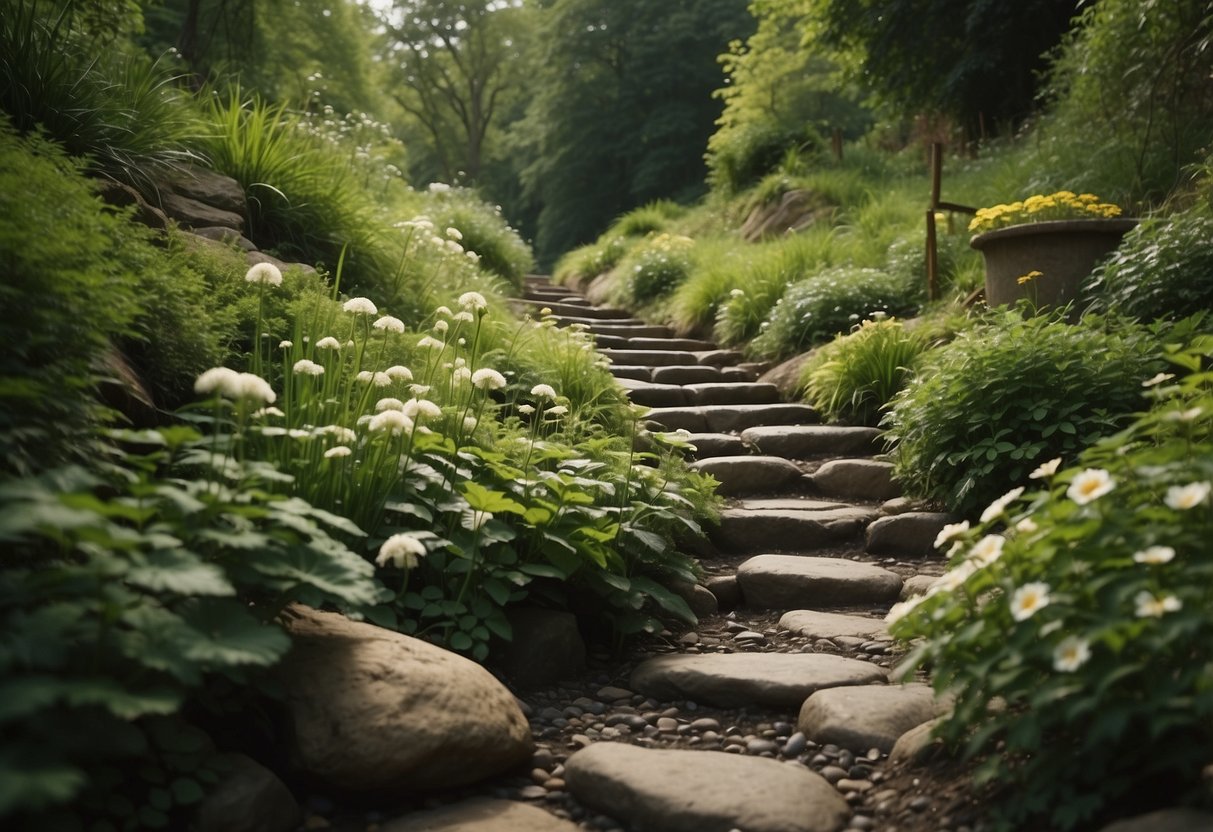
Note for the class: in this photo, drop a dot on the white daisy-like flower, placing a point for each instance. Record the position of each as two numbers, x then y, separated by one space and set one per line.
1155 555
1150 605
996 508
305 367
558 410
441 326
525 409
463 317
390 421
430 342
379 379
473 300
987 550
1026 526
1090 484
1045 469
488 379
328 343
360 306
268 411
454 233
1184 497
461 374
1070 654
1029 599
337 451
389 403
419 390
221 380
952 579
389 324
443 310
285 345
902 608
473 520
400 550
266 273
950 531
399 372
1157 379
422 407
543 391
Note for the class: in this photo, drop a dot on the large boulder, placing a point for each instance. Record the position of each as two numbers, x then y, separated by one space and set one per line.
546 648
374 710
868 716
248 798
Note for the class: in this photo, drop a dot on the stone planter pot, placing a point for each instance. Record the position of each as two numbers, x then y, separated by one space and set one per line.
1063 251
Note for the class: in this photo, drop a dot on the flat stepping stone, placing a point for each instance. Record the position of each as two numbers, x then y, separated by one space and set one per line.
670 343
738 374
870 716
582 310
911 534
653 395
798 504
867 479
814 624
607 342
732 418
719 358
702 791
806 441
595 324
716 444
737 680
732 393
747 530
634 371
629 330
650 358
746 474
687 374
482 814
782 581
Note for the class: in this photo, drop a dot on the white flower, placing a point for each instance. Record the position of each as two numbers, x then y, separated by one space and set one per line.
997 507
1183 415
344 435
438 188
1045 469
487 379
558 410
525 409
391 421
987 550
337 451
472 519
543 391
389 403
1070 654
441 326
469 424
1028 600
419 390
463 317
268 411
1090 484
1026 526
264 273
307 368
1184 497
1156 606
461 374
736 293
454 234
400 550
473 256
952 579
902 608
443 310
255 388
360 306
430 342
377 379
422 407
473 300
285 345
454 247
1155 555
950 531
398 372
328 343
388 323
221 380
1158 379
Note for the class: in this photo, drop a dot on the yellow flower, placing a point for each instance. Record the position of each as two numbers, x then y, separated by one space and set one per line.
1029 277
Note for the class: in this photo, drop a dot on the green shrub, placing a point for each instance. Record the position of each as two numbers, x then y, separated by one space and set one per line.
498 248
814 310
991 405
854 377
1083 607
1163 269
748 152
656 267
589 261
652 218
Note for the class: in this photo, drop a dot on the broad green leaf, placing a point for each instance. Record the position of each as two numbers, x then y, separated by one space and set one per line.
181 572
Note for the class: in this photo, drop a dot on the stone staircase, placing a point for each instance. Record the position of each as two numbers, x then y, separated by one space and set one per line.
777 713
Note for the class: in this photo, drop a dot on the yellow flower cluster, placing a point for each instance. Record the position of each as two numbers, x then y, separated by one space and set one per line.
670 242
1063 205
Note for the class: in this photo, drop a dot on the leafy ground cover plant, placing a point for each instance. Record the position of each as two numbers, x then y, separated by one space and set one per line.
853 378
988 407
1083 606
656 267
481 230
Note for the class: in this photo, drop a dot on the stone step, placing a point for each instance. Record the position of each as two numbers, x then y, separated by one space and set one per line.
748 474
583 311
709 445
609 342
731 392
630 330
911 534
639 372
731 418
794 581
569 320
808 441
718 358
653 395
651 358
671 790
814 624
738 373
868 716
687 374
671 343
552 299
751 531
865 479
739 680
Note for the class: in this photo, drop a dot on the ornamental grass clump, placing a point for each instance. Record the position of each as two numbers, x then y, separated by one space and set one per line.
1082 607
1063 205
988 407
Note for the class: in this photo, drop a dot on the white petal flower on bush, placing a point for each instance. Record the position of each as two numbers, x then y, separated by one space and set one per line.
525 409
987 550
1184 497
1150 605
305 367
1155 555
430 342
469 424
463 317
473 256
443 310
255 388
1045 469
1188 415
454 233
460 375
266 273
422 407
419 390
400 550
1090 484
1157 379
388 324
328 342
997 507
473 519
344 435
441 326
285 345
366 377
543 391
1029 599
950 531
558 410
1026 526
488 379
389 403
391 421
952 579
360 306
268 411
398 372
337 451
902 608
473 300
221 380
1070 654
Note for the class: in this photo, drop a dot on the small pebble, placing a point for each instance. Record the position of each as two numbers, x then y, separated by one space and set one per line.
795 745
